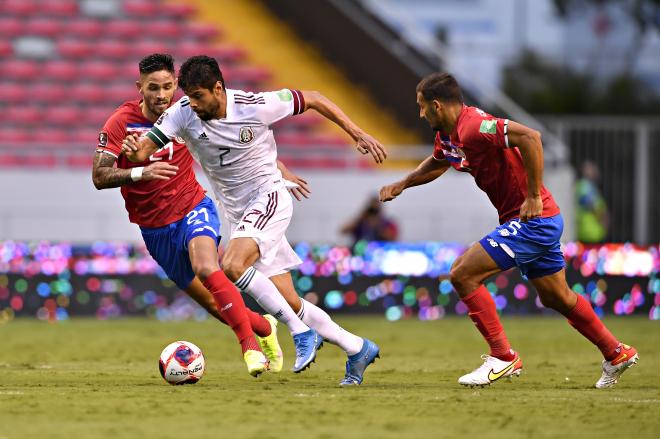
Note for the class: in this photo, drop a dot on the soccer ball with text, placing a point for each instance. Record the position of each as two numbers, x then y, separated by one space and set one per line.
181 362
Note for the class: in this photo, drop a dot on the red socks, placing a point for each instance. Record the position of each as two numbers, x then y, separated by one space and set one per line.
483 313
259 324
584 319
232 309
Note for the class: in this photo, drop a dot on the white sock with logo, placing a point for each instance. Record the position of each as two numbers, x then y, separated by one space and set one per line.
318 319
264 291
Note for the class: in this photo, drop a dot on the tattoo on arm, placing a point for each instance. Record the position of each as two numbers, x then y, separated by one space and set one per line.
105 175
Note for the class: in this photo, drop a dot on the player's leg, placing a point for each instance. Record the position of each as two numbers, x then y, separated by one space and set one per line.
554 293
361 352
479 262
201 228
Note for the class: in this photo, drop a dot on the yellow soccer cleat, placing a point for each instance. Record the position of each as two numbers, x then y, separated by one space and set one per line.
256 362
271 346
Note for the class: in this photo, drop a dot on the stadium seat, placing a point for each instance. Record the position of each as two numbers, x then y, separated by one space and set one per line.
141 8
112 49
84 28
19 69
10 27
47 92
124 29
87 93
11 92
177 10
95 116
98 70
166 29
58 8
86 138
75 48
13 135
201 31
18 8
62 115
146 47
80 160
6 48
50 138
43 27
60 70
23 115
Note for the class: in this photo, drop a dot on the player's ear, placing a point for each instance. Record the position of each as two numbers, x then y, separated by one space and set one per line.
218 87
138 84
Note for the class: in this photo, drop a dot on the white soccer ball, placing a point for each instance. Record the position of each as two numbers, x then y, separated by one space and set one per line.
181 362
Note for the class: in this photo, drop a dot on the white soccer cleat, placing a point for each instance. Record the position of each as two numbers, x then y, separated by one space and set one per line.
492 370
612 370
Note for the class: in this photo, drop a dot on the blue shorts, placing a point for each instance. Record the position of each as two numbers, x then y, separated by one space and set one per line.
532 246
168 245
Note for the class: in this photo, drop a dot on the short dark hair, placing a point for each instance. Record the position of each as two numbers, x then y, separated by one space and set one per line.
156 62
200 71
440 86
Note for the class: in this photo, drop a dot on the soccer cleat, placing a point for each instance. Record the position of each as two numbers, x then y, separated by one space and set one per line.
256 362
307 343
612 370
271 347
358 363
492 370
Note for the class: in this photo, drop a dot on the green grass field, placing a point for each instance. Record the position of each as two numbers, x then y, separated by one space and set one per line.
89 379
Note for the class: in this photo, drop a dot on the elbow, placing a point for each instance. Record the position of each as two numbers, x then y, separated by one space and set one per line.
313 98
97 183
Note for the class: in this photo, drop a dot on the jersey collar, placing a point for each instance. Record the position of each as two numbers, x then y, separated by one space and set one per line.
229 110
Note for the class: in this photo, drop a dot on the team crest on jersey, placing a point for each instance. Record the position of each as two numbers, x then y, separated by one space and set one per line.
103 140
246 135
455 155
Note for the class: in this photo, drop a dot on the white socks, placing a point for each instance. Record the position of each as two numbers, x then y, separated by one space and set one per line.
263 290
318 319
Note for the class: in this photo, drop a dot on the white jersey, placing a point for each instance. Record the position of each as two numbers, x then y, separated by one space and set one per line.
238 153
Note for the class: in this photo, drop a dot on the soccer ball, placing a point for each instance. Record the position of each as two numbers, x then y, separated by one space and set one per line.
181 362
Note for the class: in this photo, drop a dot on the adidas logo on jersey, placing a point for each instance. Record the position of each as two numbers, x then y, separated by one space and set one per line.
203 136
241 228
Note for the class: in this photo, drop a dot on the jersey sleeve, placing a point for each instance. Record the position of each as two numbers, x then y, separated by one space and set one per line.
486 130
437 148
280 104
111 136
170 124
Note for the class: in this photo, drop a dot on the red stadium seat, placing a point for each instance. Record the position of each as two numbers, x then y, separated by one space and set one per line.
121 92
18 8
126 29
95 116
62 115
98 70
43 26
202 31
141 8
58 8
10 27
23 115
75 48
112 49
12 93
60 70
87 93
6 48
38 161
50 137
177 10
143 48
84 28
19 69
47 92
169 29
9 160
14 135
87 138
128 71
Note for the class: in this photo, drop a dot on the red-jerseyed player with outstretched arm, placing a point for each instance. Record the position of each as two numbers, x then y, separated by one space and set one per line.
179 223
506 160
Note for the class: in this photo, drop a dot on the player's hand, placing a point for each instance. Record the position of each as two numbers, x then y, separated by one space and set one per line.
298 187
532 207
368 145
130 146
390 192
159 171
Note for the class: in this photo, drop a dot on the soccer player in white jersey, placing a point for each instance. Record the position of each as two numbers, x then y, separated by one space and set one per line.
228 132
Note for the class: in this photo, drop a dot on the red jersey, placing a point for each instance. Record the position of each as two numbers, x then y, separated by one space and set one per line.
154 203
479 145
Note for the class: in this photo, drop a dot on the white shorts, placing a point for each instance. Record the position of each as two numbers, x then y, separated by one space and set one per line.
265 220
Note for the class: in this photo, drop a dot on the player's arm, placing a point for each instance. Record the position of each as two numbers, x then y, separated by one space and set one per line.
105 175
529 143
427 171
325 107
298 187
138 149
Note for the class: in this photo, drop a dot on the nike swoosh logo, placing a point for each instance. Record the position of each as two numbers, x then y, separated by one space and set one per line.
492 375
621 359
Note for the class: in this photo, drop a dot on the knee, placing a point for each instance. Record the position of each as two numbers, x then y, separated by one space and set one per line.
233 268
559 301
204 269
459 278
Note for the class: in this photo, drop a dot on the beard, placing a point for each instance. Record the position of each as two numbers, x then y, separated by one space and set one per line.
209 114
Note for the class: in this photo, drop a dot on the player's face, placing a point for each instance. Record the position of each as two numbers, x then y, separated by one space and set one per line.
429 111
206 103
157 89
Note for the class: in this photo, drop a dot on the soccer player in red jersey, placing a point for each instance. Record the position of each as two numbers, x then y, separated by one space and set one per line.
506 160
179 223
